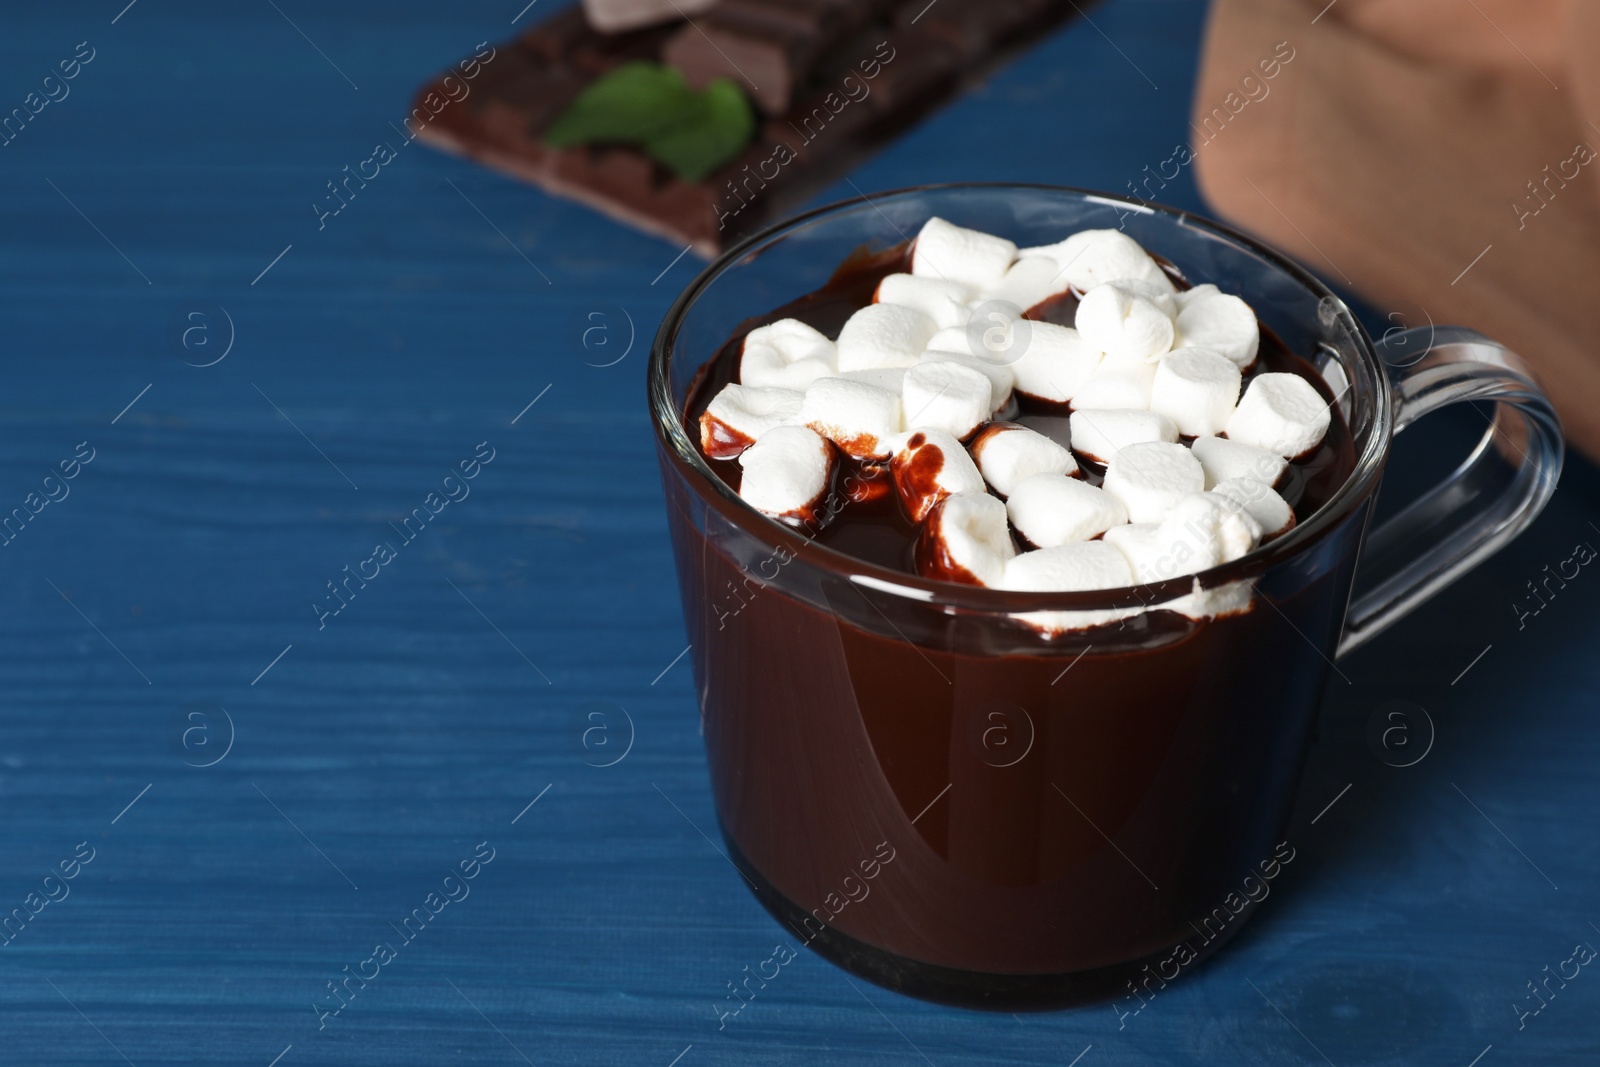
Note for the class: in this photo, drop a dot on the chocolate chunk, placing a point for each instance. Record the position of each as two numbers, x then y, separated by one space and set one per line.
766 64
771 47
543 91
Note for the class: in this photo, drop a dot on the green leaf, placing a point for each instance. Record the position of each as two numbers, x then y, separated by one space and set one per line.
632 104
649 105
723 127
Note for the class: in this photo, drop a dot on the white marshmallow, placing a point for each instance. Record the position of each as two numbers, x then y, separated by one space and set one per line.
1148 553
890 379
956 339
1218 525
1126 320
1197 389
1270 511
1210 318
858 417
957 254
1053 509
1157 554
1281 413
883 335
787 354
945 396
1001 378
1051 362
1151 478
929 465
785 472
943 302
1029 282
1117 383
965 539
1231 599
1092 257
1200 532
991 335
1070 569
1100 433
1224 459
740 414
1007 453
1220 530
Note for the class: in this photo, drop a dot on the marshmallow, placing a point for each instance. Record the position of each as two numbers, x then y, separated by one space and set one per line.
1070 569
1117 383
858 417
1220 526
1127 320
1148 553
786 354
1051 362
965 539
943 302
946 396
883 335
928 466
1200 532
1007 453
1224 459
1092 257
890 379
990 335
1151 478
1098 434
1029 282
1210 318
740 414
1197 389
1230 599
1281 413
1001 379
1267 508
786 472
957 254
1053 509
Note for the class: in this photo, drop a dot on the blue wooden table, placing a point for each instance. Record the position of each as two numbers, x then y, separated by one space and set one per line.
221 787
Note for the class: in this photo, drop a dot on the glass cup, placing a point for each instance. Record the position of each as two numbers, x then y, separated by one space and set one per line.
939 797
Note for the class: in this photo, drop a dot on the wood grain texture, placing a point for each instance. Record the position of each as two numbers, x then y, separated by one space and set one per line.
424 717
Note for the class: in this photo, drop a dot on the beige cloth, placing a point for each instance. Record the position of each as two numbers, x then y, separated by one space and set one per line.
1404 139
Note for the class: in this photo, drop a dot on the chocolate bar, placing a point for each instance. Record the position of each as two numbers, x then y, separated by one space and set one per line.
830 81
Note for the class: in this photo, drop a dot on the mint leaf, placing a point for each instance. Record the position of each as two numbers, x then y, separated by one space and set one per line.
649 105
724 125
631 104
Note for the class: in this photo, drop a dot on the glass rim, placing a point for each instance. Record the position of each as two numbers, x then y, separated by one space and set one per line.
671 432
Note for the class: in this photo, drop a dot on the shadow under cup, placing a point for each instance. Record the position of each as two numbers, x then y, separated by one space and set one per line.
931 793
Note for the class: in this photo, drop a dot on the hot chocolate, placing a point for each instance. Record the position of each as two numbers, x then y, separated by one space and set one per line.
1068 792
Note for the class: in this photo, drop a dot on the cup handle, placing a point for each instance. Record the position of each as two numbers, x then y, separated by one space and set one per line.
1488 500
